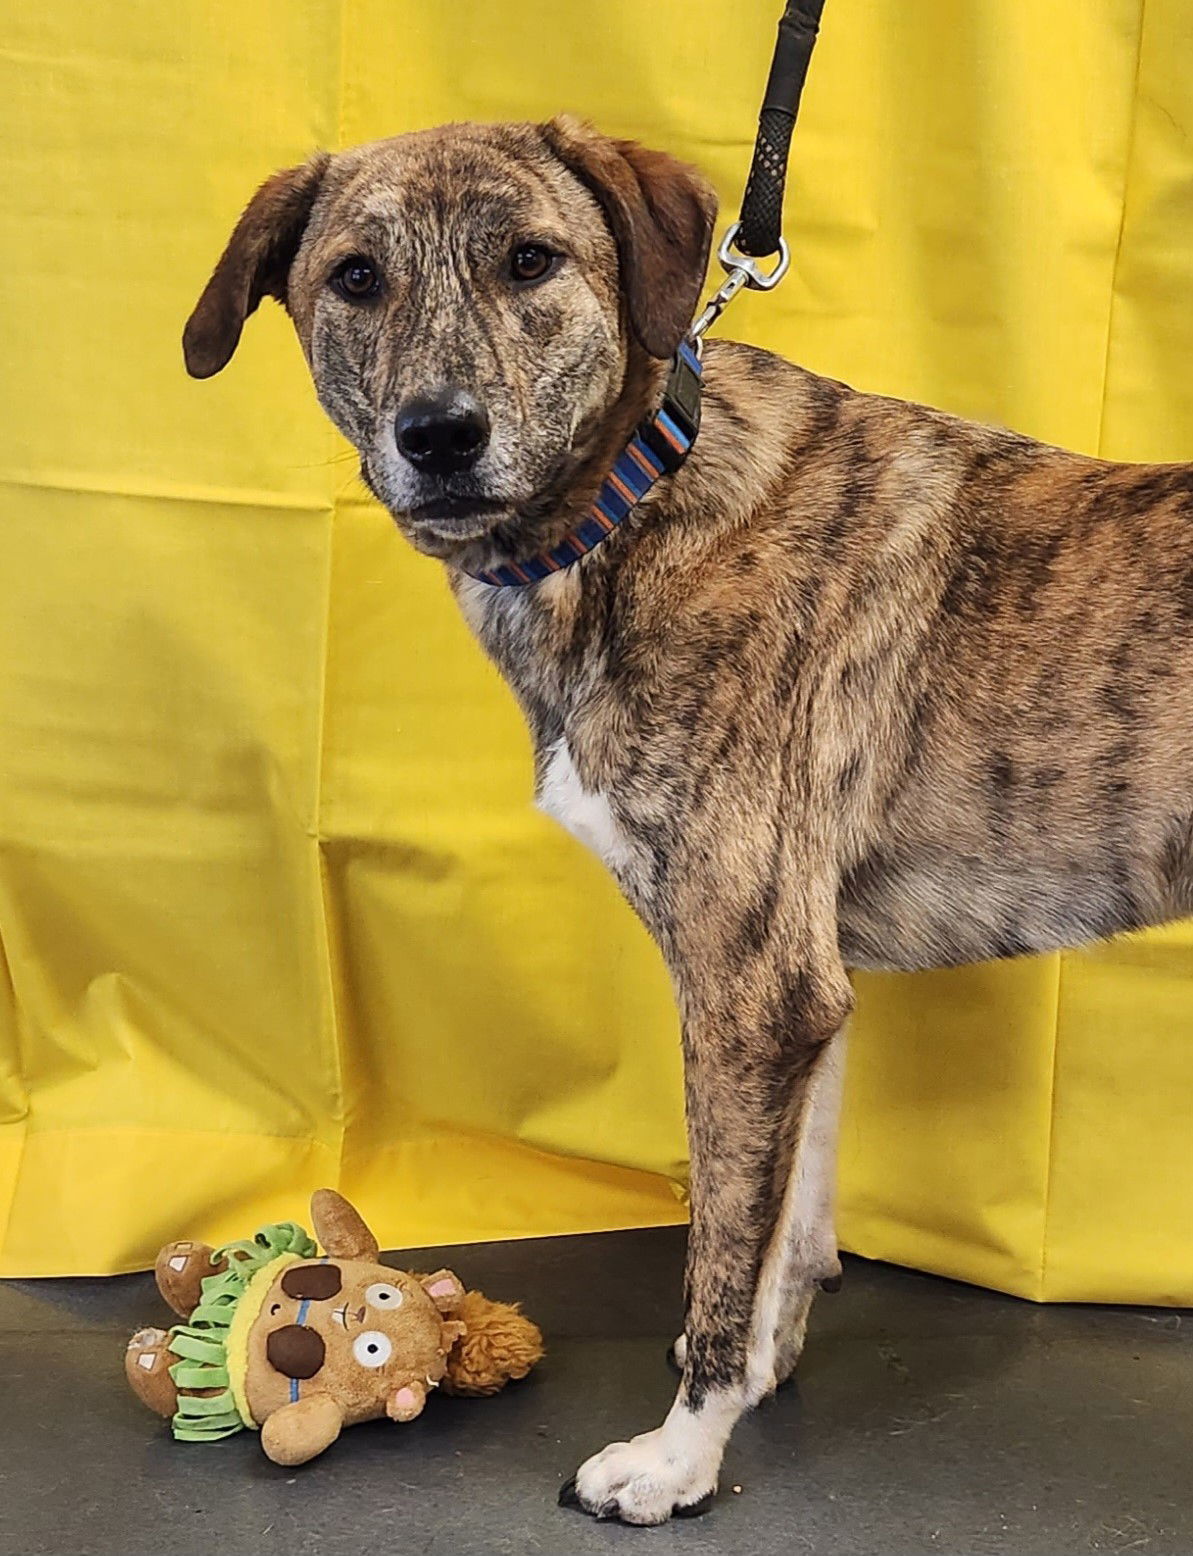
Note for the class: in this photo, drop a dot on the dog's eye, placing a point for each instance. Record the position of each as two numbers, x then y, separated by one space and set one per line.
356 280
532 261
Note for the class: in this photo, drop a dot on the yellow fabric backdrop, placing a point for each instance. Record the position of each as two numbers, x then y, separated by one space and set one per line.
274 909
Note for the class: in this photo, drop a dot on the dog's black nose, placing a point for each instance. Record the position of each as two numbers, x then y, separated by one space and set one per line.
442 434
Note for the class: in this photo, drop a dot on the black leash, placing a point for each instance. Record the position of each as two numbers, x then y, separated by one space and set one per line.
761 226
662 441
759 231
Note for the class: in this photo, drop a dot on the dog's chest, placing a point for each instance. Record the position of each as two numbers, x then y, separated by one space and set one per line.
585 813
516 630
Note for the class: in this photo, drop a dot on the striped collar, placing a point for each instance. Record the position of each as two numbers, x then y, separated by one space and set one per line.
659 446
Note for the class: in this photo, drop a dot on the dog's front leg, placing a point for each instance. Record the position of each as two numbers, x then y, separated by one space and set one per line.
758 1048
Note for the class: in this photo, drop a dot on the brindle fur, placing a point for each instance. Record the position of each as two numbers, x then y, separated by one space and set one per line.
862 685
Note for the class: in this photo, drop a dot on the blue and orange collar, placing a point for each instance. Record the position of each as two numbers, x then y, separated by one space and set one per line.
659 446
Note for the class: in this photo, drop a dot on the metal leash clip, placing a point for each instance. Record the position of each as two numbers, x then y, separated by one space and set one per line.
741 270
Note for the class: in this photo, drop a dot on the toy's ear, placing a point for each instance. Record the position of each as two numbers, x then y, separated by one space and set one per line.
340 1229
444 1289
302 1430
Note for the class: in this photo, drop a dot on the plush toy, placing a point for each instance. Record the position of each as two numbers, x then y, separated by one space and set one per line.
276 1337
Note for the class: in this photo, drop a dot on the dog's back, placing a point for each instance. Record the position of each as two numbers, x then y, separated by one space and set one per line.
977 650
1044 794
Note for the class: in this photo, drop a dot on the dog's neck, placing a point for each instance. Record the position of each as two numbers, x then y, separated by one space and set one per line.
542 528
550 640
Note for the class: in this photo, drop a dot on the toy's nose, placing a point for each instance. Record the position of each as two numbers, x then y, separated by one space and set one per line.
295 1352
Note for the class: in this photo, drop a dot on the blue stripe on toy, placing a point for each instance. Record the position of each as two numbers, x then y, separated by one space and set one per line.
303 1309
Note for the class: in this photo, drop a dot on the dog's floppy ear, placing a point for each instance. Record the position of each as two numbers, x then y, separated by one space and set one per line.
255 264
661 214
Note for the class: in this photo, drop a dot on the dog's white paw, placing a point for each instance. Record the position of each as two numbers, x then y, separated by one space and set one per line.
678 1354
645 1481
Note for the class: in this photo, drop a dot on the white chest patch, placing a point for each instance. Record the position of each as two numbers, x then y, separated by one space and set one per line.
585 813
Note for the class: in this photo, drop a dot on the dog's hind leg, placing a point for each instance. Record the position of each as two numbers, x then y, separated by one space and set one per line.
805 1246
755 1045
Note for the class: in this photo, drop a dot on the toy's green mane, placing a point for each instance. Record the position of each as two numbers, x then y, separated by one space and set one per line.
201 1344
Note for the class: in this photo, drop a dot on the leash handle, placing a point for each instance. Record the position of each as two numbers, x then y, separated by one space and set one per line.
761 226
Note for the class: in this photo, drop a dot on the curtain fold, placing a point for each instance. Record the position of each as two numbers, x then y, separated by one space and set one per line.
275 910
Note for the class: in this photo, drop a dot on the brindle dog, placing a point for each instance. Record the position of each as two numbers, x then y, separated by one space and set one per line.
861 685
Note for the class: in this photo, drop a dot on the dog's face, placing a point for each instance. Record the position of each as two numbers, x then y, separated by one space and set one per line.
471 301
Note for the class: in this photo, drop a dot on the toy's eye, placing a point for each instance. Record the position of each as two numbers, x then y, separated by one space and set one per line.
383 1297
372 1349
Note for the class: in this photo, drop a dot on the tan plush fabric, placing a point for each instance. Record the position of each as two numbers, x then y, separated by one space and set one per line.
338 1339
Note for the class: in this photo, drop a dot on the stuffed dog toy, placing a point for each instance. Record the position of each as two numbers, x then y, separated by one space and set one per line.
277 1338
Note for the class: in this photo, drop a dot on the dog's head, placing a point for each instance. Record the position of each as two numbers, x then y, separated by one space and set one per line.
480 307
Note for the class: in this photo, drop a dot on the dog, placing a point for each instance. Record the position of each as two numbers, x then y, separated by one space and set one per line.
858 685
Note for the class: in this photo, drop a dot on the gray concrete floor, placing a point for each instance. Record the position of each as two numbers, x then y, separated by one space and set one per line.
928 1417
